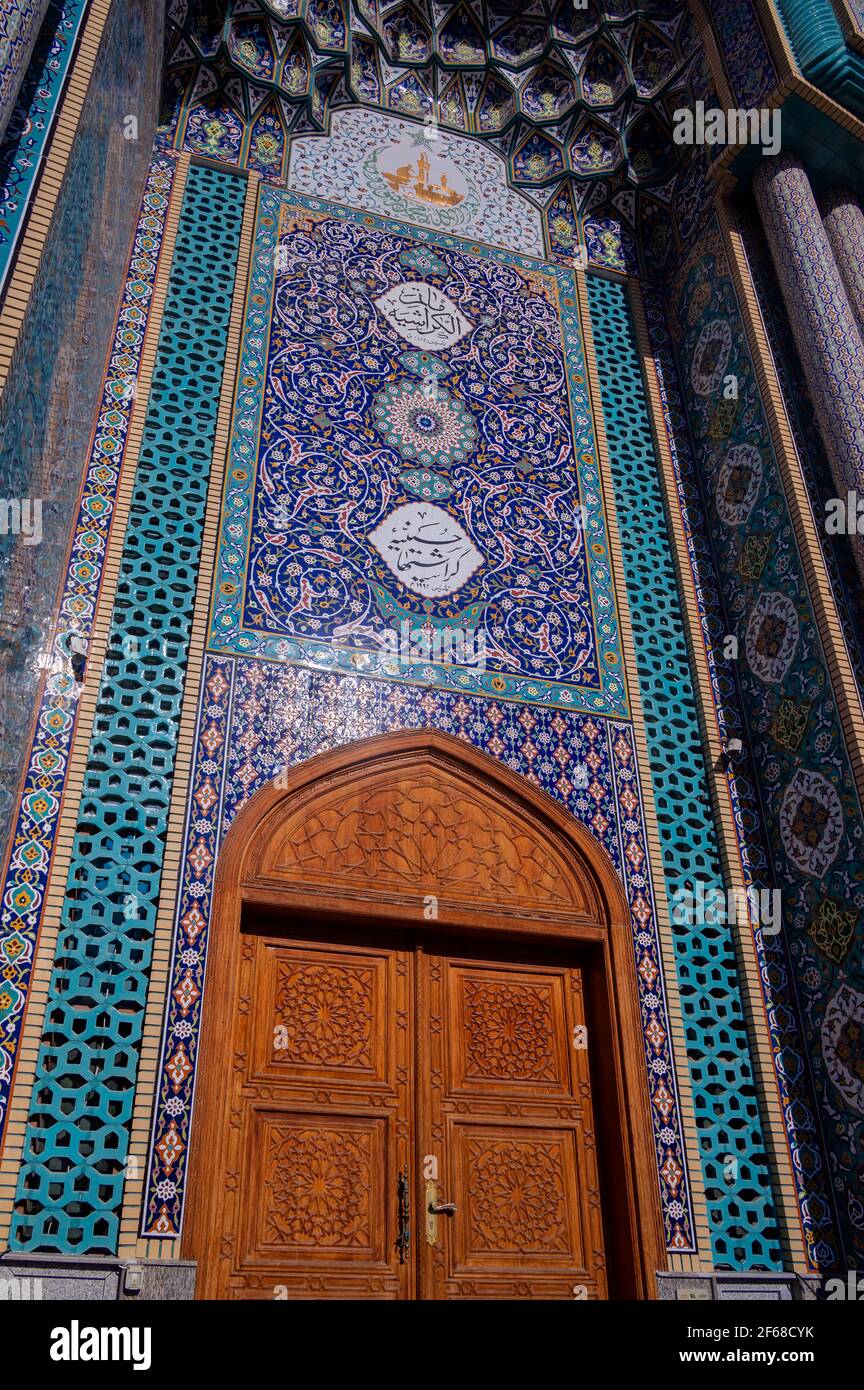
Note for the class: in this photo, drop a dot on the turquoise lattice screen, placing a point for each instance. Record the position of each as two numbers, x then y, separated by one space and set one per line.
743 1224
71 1181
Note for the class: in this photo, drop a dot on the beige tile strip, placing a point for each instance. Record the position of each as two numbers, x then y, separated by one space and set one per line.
44 202
758 1032
702 1260
849 23
55 894
804 523
131 1246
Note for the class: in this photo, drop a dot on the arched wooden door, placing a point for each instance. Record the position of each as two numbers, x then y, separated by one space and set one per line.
421 1064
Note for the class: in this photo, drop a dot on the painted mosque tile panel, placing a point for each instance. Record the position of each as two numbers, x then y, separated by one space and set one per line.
326 553
406 388
47 421
435 65
388 166
34 830
816 1205
745 52
839 557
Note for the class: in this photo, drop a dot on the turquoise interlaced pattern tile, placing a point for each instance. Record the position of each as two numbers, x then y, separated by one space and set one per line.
71 1181
741 1215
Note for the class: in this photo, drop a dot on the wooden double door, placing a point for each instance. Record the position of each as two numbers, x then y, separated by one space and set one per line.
407 1117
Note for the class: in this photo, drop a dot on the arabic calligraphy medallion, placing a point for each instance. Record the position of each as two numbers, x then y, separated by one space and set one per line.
423 315
426 549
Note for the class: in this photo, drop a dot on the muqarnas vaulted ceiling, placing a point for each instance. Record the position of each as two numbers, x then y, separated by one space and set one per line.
576 98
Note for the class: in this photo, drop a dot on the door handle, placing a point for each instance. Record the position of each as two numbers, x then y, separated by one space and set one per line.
434 1209
403 1238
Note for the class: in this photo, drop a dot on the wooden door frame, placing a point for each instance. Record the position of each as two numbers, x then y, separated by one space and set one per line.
286 850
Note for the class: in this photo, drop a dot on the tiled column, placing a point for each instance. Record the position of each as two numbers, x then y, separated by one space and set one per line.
843 220
823 323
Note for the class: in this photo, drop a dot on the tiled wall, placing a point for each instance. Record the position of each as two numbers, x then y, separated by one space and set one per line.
47 408
84 1090
312 352
813 971
285 678
257 717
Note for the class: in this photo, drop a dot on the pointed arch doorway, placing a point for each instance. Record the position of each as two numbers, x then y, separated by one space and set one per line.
421 1070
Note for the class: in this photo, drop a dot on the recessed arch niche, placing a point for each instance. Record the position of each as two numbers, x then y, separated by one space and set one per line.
420 832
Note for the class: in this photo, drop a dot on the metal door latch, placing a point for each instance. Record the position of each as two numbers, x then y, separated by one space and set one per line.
403 1238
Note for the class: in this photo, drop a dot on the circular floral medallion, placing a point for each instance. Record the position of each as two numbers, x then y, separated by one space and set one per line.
811 822
426 425
843 1045
738 484
771 637
711 356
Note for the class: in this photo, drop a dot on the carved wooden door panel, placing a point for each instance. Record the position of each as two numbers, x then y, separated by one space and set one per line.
505 1112
356 1061
321 1121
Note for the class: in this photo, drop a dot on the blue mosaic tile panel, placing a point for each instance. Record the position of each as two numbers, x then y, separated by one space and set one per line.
19 26
256 718
745 52
36 814
744 1232
32 118
413 444
805 781
576 103
71 1181
59 368
809 1164
839 559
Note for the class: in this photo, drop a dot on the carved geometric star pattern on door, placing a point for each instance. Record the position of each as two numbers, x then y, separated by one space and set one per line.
508 1031
324 1015
517 1197
317 1181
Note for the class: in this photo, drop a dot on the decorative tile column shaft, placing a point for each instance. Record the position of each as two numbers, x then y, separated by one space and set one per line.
843 219
823 323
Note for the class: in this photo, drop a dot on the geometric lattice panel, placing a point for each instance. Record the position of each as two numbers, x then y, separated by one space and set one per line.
71 1182
741 1214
